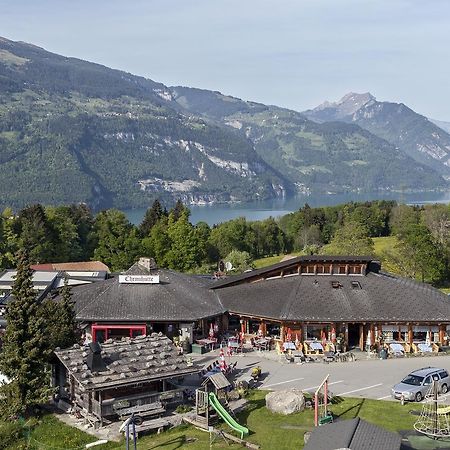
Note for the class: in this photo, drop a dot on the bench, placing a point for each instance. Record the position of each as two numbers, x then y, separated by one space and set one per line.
151 409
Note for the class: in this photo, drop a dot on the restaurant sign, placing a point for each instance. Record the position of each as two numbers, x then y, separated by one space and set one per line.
139 279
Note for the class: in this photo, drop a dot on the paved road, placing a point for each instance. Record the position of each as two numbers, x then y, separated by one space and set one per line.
363 378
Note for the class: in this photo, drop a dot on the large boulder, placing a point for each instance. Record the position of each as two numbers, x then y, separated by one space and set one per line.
285 402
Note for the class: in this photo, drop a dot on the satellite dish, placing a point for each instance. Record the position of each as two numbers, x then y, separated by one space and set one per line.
228 266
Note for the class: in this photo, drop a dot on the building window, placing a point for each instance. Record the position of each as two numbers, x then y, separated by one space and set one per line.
307 269
355 270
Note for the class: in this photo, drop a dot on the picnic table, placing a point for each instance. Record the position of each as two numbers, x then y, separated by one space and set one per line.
207 342
262 343
314 346
233 344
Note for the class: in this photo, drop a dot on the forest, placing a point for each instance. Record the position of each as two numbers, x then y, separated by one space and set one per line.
419 244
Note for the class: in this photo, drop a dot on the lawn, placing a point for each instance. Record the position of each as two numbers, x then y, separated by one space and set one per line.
385 249
286 432
266 429
269 260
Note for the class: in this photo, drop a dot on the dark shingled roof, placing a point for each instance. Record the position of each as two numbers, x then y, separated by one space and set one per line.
141 359
374 297
178 297
354 434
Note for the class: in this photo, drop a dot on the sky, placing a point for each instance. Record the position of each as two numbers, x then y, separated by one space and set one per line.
290 53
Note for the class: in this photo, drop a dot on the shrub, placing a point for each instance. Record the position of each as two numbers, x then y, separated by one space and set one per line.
10 433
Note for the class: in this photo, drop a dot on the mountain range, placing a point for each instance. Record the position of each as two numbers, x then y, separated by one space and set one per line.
424 140
75 131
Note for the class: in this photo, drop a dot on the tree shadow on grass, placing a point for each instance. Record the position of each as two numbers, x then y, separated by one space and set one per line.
178 442
355 409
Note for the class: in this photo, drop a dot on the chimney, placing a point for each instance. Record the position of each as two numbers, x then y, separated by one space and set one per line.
94 359
147 263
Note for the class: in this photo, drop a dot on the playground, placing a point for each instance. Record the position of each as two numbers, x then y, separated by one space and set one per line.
270 431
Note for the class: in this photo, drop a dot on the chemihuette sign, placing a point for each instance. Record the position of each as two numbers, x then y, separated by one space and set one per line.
139 279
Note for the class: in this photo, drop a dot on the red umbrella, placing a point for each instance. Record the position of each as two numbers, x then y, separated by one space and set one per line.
289 335
323 338
229 351
223 364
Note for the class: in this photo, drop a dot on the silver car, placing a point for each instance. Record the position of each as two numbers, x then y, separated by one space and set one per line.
416 385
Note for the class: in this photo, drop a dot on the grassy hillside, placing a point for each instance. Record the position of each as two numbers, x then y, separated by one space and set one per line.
384 249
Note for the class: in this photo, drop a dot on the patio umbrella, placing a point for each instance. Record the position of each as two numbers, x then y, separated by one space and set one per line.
229 351
406 336
289 335
222 364
369 339
297 341
211 331
428 339
333 335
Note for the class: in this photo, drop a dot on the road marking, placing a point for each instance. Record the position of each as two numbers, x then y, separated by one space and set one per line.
386 396
282 382
315 387
361 389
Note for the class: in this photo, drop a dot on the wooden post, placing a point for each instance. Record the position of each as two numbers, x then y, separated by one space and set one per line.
441 334
100 399
372 334
410 334
282 332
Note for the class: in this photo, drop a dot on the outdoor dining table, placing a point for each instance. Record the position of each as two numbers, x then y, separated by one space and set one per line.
233 344
207 343
316 346
289 346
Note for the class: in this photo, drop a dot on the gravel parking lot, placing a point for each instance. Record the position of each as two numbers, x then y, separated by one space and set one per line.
368 378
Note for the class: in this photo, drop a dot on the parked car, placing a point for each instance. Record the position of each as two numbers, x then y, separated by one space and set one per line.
416 385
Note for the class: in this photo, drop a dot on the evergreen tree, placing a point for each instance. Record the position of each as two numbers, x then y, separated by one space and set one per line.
152 216
178 210
25 351
61 326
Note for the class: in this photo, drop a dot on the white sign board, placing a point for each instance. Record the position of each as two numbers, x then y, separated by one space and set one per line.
139 279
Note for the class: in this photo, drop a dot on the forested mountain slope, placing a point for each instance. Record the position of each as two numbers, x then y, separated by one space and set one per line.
74 131
316 156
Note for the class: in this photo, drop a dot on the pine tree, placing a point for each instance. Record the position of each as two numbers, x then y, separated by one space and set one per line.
67 323
178 210
152 216
25 351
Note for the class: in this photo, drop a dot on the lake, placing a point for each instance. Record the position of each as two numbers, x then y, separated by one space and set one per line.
217 213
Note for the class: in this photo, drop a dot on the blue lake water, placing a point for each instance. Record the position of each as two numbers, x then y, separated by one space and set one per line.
217 213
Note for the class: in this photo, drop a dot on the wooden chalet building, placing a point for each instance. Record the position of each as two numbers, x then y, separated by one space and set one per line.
315 297
132 375
311 297
144 300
